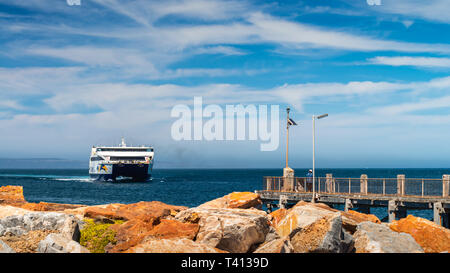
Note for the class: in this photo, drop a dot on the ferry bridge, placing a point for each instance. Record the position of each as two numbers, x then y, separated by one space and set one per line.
398 195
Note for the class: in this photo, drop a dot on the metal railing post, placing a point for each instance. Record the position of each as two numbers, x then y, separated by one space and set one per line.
422 187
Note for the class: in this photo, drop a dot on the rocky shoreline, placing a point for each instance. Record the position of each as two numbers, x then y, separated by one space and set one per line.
230 224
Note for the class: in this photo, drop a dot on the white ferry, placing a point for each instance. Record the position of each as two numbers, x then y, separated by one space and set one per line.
110 163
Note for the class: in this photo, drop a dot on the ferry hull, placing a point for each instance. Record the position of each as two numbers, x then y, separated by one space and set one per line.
135 172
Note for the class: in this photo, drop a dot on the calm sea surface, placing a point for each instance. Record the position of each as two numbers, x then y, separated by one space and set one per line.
186 187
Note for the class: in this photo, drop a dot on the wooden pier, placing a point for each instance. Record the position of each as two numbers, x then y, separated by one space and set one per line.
397 195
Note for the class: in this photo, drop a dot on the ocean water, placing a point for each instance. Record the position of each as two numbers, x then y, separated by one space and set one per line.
185 187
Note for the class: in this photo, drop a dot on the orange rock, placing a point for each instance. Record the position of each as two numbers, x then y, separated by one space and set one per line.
351 219
430 236
305 213
12 195
131 232
134 231
235 200
153 209
364 217
174 229
278 215
182 245
44 206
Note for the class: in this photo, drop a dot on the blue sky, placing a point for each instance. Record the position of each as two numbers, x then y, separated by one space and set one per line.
76 76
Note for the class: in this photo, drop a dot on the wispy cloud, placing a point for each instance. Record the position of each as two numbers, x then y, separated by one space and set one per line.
433 10
411 61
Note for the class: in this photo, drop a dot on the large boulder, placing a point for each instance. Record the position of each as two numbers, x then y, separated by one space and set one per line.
182 245
430 236
58 243
322 236
235 200
44 206
134 231
306 213
4 248
7 210
232 230
126 212
27 242
12 195
280 245
379 238
351 219
277 216
302 215
20 224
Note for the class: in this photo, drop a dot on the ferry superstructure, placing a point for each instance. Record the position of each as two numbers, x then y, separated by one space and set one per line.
109 162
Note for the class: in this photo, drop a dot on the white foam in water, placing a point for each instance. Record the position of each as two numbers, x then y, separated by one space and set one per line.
81 179
51 177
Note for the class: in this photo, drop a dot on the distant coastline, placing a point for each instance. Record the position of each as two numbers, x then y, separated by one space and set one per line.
41 163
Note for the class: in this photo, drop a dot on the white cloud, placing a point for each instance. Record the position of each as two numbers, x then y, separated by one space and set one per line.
11 104
411 61
37 80
147 12
225 50
432 10
423 104
95 56
305 36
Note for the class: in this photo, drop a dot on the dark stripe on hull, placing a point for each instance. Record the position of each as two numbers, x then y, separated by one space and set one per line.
132 171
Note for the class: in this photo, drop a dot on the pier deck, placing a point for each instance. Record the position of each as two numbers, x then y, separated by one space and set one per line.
398 195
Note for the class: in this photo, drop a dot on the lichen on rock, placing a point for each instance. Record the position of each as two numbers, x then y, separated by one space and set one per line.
96 236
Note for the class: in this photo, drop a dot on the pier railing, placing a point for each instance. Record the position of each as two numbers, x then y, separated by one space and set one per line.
400 186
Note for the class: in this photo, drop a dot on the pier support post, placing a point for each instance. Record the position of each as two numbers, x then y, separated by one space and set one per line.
445 185
329 183
348 204
401 212
438 212
282 201
392 207
395 210
401 184
363 184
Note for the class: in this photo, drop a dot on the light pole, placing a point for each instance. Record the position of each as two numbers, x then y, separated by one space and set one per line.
314 152
287 136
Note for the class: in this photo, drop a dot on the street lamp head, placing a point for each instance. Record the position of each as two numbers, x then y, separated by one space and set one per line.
288 109
322 116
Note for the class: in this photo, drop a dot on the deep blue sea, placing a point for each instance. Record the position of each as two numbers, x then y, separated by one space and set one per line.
186 187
